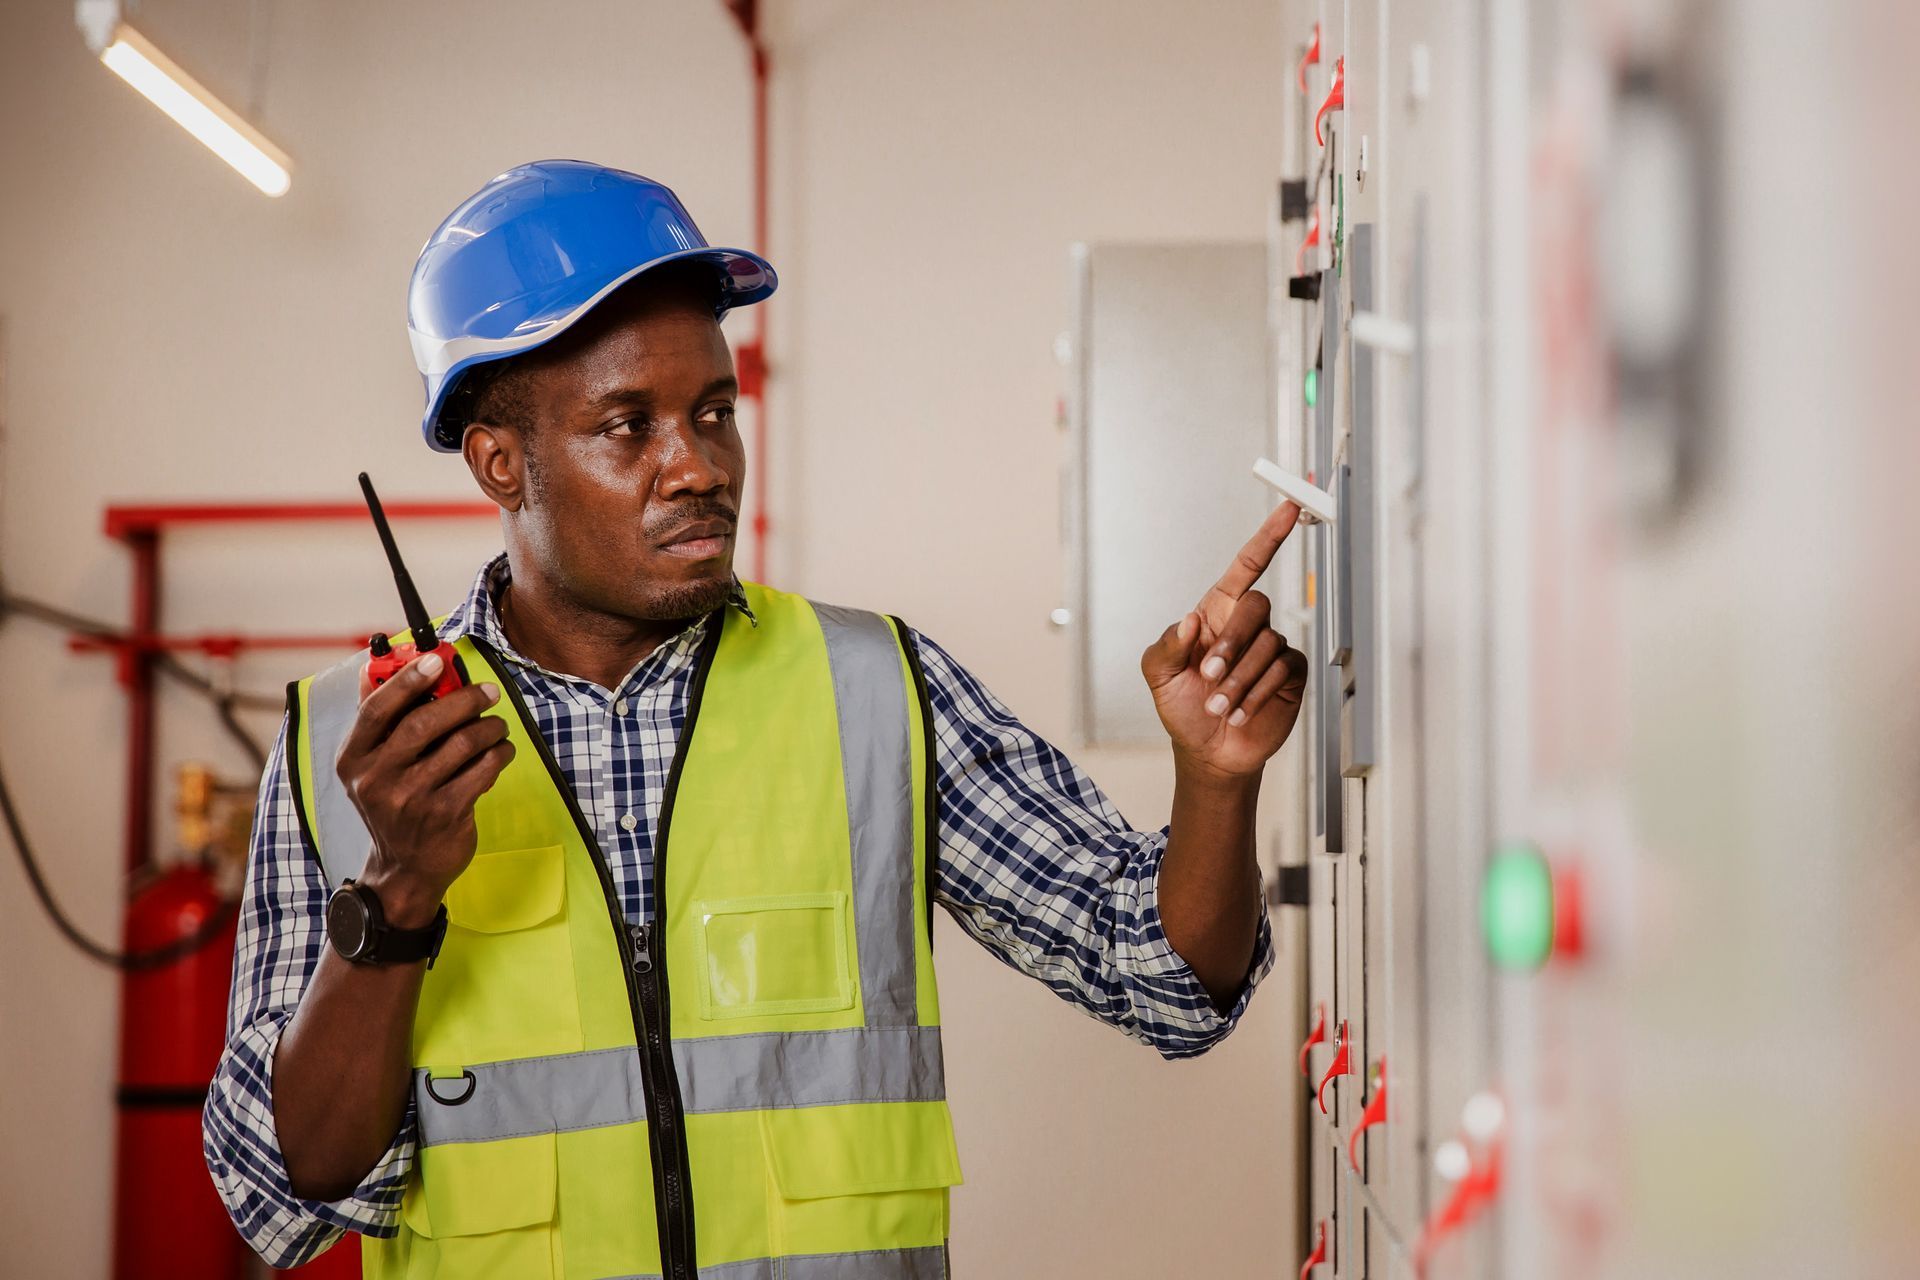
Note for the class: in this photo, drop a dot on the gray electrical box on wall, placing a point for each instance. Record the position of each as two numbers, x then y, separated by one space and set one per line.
1169 404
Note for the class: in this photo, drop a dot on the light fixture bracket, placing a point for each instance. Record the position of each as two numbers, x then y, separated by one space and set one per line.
97 20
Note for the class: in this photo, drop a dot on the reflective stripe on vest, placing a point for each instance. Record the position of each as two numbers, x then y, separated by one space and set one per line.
802 1015
717 1073
872 703
880 1264
325 716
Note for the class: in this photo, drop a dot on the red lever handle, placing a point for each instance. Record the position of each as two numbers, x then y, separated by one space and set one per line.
1313 238
1337 1068
1375 1113
1473 1192
1316 1036
1336 98
1319 1254
1446 1220
1309 59
1477 1188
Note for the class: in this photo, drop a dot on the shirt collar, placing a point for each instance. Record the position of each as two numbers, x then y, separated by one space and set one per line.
479 614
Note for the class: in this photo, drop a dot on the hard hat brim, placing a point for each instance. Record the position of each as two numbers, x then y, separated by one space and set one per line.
750 279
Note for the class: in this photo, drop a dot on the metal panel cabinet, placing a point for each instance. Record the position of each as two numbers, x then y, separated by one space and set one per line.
1170 361
1401 720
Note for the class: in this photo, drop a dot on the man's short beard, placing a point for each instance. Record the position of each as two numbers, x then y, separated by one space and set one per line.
687 600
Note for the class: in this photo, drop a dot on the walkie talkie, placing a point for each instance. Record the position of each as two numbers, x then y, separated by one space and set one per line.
387 658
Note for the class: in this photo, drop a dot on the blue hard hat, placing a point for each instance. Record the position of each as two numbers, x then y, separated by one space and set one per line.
531 252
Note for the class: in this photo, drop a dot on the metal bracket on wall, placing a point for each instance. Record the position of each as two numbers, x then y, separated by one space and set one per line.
1295 199
1289 887
1360 554
1328 809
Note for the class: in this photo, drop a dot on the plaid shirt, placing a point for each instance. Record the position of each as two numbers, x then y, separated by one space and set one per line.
1034 862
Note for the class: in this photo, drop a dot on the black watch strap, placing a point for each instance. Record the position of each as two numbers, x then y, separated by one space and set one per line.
373 940
404 946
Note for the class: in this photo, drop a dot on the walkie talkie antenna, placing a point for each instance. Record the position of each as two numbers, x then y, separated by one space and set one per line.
425 638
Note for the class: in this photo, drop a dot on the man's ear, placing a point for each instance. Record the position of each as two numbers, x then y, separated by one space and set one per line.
497 458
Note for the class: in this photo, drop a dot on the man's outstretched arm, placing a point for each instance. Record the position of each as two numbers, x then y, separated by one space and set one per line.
1228 689
1041 869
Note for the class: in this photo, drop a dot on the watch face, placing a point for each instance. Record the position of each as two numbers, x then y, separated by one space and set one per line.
347 923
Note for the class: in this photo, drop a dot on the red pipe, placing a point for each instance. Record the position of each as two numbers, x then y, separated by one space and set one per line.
753 355
214 644
761 523
139 528
136 674
127 523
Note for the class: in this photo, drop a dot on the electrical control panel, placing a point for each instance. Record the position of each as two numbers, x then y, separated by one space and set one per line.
1563 838
1392 322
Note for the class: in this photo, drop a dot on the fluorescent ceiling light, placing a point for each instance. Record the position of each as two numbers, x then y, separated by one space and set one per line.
132 57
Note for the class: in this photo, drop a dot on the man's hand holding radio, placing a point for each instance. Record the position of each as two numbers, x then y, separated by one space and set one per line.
414 768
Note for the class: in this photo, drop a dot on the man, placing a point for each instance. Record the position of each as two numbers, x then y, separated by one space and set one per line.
480 1016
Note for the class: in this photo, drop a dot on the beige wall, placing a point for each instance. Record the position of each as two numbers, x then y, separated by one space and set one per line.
168 334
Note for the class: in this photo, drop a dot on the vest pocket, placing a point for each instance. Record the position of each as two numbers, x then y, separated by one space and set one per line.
779 954
860 1176
508 890
493 993
486 1207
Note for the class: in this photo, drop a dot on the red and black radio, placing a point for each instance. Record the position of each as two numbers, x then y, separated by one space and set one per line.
387 658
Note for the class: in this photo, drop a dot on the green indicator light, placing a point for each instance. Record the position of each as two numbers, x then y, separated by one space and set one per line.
1516 908
1313 387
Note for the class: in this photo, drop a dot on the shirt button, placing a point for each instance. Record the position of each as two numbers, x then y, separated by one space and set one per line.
628 822
620 707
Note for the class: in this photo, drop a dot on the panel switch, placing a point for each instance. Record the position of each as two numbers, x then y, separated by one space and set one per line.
1316 504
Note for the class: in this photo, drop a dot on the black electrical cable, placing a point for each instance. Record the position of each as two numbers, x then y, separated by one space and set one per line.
153 958
223 705
226 704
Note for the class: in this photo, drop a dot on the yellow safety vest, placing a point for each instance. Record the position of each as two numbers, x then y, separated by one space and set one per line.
750 1085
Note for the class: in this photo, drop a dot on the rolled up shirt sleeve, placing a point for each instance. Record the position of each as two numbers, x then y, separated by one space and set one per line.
281 933
1041 869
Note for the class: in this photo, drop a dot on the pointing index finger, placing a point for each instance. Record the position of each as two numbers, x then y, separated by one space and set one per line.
1252 560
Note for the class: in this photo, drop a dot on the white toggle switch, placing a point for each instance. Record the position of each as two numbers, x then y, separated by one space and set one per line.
1315 503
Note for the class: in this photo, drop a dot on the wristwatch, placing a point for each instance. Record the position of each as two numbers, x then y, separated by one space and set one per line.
358 930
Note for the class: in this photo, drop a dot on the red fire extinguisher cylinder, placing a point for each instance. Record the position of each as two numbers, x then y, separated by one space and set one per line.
169 1223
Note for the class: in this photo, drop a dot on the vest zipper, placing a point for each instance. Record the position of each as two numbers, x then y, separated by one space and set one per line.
666 1122
645 974
652 1005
